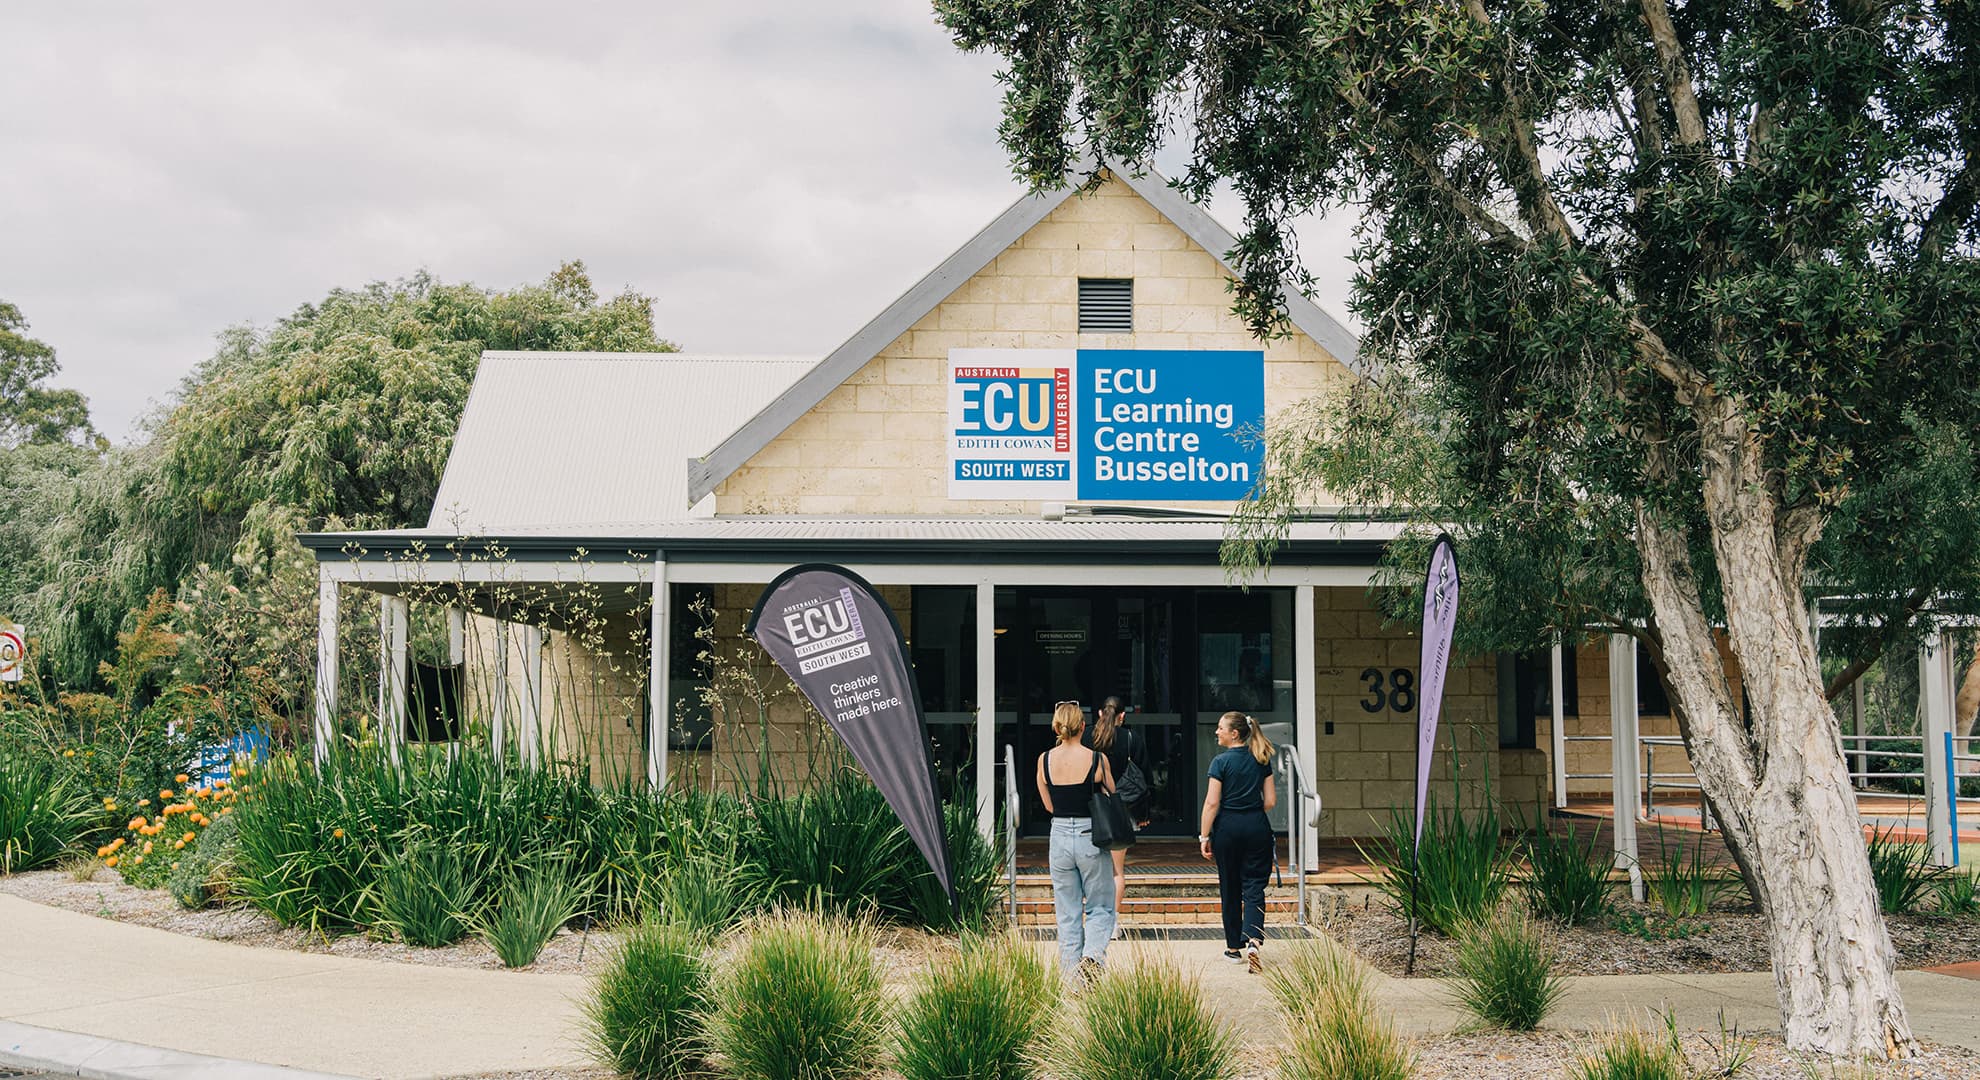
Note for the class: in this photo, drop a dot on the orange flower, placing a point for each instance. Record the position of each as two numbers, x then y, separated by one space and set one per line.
179 779
111 861
136 823
164 793
147 847
139 859
336 834
186 838
180 846
226 809
68 753
144 802
104 850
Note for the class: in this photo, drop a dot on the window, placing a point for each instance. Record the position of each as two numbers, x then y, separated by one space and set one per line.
1652 698
1106 305
1526 692
688 671
942 644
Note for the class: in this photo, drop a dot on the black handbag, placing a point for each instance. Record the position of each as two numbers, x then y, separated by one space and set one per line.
1113 826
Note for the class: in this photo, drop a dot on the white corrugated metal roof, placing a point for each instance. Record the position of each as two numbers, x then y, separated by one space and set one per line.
1098 530
565 441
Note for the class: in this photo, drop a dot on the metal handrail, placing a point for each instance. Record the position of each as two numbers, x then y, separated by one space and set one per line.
1011 827
1296 816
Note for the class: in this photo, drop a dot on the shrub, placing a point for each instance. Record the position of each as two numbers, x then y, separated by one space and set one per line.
802 1000
423 894
529 913
202 874
1630 1053
1336 1029
1959 894
1684 882
979 878
1459 873
164 834
979 1016
1504 974
707 892
1567 881
1902 870
837 848
643 1016
42 816
1150 1022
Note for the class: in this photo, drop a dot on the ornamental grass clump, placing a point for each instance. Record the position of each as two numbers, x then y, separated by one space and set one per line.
1684 882
1504 973
423 894
707 893
1630 1053
837 848
644 1016
42 815
528 913
1458 874
1566 880
1336 1030
1902 871
1148 1022
980 1015
1958 894
801 1000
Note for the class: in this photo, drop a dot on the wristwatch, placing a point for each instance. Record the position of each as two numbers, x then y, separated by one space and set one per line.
1202 839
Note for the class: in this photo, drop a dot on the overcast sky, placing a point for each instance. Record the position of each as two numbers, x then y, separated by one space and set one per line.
772 174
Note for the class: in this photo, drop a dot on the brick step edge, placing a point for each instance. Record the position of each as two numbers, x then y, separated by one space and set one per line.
1176 905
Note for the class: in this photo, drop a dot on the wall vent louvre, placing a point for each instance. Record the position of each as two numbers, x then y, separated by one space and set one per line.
1106 305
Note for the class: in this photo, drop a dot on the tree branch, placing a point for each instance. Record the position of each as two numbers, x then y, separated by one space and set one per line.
1677 74
1874 650
1543 213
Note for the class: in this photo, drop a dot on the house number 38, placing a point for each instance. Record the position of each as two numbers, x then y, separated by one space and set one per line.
1398 694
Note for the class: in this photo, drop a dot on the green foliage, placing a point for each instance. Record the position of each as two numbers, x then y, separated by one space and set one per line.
205 871
980 1015
1504 973
1148 1022
1958 893
423 894
801 1000
707 893
42 815
979 878
644 1016
1567 881
1337 1029
1902 871
836 848
1655 927
344 411
30 412
527 914
1684 882
1457 876
1630 1053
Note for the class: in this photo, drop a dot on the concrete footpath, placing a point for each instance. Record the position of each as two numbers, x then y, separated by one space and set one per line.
86 996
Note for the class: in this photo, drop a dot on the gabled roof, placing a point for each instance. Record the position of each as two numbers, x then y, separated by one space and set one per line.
568 440
706 473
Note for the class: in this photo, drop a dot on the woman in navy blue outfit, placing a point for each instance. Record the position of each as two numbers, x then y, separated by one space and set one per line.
1237 834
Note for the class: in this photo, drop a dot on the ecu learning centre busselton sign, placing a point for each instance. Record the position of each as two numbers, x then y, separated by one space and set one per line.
1112 425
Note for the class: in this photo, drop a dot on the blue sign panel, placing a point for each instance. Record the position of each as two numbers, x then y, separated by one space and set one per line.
1114 425
1170 425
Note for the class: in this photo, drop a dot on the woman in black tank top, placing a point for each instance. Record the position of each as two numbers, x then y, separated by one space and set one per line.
1082 874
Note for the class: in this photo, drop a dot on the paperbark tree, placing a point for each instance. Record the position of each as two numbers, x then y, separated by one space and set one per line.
1670 312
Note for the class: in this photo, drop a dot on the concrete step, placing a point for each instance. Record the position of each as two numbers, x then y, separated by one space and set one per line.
1167 911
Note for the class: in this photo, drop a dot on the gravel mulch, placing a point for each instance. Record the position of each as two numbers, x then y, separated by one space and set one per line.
105 894
1726 940
1504 1056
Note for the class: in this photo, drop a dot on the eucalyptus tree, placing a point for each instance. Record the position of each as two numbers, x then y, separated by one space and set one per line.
1671 311
31 412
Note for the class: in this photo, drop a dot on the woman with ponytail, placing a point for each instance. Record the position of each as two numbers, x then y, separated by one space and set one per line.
1237 834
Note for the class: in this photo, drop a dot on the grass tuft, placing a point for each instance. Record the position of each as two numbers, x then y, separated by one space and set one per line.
643 1018
1337 1031
423 894
1505 974
1958 894
1567 881
42 817
1684 882
529 913
1460 871
1902 870
801 1000
1148 1022
980 1016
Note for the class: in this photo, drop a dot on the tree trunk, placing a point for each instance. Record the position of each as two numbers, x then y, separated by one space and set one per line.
1780 780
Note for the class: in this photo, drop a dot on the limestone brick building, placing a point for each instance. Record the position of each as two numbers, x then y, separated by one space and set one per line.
1033 454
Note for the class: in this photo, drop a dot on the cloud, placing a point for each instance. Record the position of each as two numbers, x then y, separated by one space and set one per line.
773 174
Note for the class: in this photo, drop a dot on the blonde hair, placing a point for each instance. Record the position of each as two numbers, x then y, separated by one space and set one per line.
1254 736
1068 720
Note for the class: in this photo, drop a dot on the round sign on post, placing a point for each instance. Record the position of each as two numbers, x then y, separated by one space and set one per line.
13 652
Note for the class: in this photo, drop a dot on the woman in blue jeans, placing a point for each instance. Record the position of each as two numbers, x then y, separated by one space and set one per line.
1237 834
1082 875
